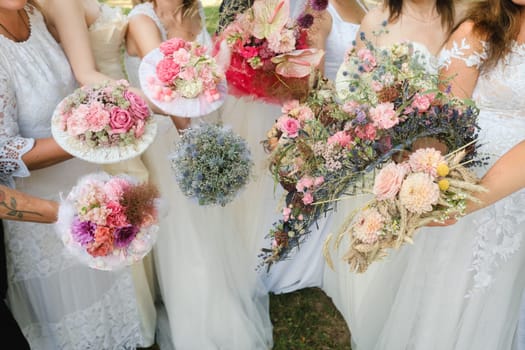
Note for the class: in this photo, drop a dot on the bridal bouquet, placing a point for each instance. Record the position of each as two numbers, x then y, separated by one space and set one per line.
103 123
182 79
211 164
268 53
386 104
109 222
408 195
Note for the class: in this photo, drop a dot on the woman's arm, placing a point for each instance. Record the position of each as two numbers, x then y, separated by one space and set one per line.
69 19
16 205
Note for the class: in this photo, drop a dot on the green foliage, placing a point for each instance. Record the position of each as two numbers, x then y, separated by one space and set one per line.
212 18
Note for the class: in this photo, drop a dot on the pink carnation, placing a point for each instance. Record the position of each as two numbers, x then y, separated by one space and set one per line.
120 120
367 132
423 102
76 123
115 188
304 113
426 160
168 47
97 117
342 138
367 226
289 126
388 182
418 193
117 216
167 70
384 116
181 56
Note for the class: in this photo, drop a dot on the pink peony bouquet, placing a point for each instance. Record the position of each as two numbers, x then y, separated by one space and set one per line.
182 79
109 222
103 123
408 195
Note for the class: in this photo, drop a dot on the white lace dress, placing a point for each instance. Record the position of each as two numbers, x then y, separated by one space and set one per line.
462 284
58 303
364 298
205 270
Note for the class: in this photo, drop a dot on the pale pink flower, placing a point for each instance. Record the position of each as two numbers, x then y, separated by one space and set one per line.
376 86
367 58
388 182
200 50
318 181
286 214
304 113
120 120
350 107
384 116
289 106
342 138
423 102
426 160
308 198
115 187
97 117
418 193
77 124
139 128
181 56
367 225
282 41
289 126
98 215
304 183
188 73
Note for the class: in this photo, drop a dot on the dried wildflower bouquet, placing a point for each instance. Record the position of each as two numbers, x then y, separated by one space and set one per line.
408 195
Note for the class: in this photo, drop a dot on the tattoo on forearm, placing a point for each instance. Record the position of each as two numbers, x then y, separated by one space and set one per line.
13 211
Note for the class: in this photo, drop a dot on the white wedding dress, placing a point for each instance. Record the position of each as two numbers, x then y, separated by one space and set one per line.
363 299
204 264
461 285
58 303
305 266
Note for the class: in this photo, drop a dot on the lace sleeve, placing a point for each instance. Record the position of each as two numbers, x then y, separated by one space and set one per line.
12 145
470 55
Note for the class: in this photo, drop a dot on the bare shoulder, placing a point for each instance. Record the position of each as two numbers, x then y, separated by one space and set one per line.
374 19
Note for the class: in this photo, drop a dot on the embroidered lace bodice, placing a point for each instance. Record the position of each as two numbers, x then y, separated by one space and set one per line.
107 37
500 95
32 71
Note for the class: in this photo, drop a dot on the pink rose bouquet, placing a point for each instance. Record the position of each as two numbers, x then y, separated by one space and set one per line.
182 79
426 187
103 123
109 222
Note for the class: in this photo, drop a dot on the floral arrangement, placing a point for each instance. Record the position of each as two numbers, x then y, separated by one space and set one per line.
211 164
408 195
386 104
103 123
268 53
182 79
109 222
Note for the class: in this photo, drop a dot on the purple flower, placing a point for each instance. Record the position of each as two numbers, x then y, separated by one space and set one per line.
319 5
124 235
305 20
83 231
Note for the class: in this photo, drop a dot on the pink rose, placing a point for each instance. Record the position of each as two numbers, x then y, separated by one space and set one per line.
384 116
167 70
120 120
137 106
168 47
388 182
423 102
289 126
342 138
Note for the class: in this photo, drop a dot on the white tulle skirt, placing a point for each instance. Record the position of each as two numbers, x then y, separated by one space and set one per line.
204 267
